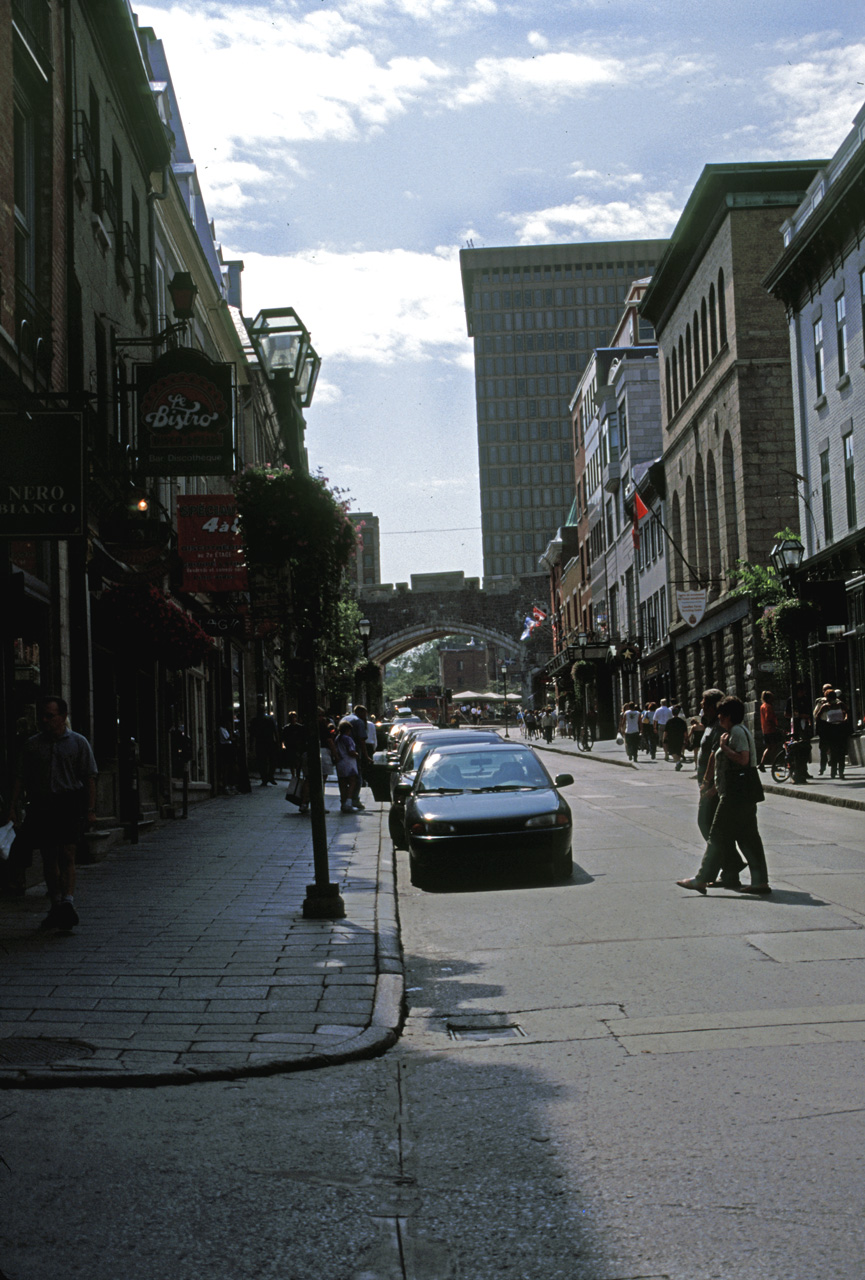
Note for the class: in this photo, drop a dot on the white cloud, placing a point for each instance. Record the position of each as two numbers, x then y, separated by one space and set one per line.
819 92
428 11
548 76
537 41
270 78
608 179
370 307
653 216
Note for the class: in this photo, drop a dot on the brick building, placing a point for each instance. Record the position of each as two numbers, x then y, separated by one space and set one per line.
727 409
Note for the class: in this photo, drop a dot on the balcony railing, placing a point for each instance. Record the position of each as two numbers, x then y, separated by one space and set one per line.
133 253
109 200
33 332
33 20
84 149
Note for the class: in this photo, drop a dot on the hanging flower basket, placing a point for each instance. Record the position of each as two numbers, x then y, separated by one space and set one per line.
146 624
295 520
583 672
791 620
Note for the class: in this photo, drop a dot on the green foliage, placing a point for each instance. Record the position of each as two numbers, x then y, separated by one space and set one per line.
294 520
760 581
339 647
417 666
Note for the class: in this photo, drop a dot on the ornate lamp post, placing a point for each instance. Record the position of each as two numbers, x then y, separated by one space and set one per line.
504 670
786 557
289 361
364 627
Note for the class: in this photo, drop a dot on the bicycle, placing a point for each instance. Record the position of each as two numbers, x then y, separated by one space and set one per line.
585 737
784 764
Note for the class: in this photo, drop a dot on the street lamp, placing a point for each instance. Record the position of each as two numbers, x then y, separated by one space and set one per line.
786 557
504 669
290 364
281 341
364 627
183 291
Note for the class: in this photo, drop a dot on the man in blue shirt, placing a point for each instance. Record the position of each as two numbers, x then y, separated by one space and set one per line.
57 773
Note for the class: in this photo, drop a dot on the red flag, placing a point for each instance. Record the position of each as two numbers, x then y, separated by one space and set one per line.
640 508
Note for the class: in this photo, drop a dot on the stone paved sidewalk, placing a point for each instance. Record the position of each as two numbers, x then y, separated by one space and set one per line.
193 961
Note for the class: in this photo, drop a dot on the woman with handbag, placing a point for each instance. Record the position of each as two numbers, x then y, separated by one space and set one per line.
732 771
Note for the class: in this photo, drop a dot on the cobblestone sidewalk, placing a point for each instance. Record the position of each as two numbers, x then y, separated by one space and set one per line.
193 961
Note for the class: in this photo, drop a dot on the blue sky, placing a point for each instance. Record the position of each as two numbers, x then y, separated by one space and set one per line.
348 150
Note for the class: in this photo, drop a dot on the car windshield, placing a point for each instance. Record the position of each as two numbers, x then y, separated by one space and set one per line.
482 771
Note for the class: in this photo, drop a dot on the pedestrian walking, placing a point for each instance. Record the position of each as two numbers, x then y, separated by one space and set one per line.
264 739
293 739
57 775
547 725
650 741
629 728
820 727
735 819
674 736
834 718
709 794
345 755
660 717
769 728
694 738
226 757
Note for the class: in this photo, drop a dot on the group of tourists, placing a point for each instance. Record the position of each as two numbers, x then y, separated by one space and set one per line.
538 724
657 725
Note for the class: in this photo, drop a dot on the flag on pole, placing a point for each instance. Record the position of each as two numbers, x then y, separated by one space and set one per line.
538 614
640 508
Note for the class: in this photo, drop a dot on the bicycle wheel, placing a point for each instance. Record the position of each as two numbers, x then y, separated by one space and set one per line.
781 767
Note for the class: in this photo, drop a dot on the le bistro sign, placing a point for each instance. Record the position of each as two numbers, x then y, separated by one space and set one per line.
185 415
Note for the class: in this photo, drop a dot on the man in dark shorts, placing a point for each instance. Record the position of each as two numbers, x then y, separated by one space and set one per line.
57 773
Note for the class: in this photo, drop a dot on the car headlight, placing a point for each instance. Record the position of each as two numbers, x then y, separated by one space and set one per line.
557 819
432 828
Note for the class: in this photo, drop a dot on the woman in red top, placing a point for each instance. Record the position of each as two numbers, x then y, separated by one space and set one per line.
772 735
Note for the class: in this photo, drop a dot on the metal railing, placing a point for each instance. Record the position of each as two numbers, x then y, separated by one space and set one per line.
84 148
33 332
33 20
109 199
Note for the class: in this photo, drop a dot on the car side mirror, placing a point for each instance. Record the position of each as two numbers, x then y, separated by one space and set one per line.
402 791
564 779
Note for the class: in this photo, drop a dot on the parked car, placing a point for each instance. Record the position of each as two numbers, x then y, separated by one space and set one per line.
486 806
412 756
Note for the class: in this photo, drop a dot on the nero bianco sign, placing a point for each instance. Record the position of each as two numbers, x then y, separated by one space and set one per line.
42 477
692 606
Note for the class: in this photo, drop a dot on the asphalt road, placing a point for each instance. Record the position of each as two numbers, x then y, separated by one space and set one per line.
603 1080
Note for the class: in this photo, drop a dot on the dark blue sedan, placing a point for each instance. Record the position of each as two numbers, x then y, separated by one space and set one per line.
488 806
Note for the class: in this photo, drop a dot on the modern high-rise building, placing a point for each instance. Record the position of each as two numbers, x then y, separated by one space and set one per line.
536 314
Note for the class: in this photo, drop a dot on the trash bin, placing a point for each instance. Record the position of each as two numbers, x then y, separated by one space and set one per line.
378 777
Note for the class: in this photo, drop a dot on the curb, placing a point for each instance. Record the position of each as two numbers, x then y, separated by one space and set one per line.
587 755
382 1033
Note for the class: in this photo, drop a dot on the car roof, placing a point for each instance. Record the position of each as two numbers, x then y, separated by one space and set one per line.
453 748
456 737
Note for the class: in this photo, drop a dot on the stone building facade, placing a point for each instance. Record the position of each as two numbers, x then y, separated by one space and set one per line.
727 411
820 279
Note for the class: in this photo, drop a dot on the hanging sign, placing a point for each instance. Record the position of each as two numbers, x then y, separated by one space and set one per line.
692 606
42 476
185 415
208 541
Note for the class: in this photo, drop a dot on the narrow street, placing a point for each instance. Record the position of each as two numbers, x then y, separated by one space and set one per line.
603 1080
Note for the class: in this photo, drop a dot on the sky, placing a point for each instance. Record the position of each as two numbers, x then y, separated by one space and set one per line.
347 151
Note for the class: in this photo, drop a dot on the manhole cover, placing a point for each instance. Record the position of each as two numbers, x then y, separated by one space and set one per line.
18 1051
513 1032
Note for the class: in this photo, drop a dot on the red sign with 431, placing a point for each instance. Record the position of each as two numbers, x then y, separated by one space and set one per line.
208 540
